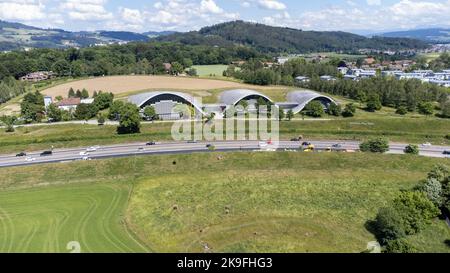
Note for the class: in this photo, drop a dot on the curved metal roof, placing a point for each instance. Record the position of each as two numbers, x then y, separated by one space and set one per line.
233 97
303 97
143 98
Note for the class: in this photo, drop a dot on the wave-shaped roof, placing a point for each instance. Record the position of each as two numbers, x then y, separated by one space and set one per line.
303 97
141 99
233 97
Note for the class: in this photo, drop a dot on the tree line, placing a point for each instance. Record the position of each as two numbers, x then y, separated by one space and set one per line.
137 58
10 88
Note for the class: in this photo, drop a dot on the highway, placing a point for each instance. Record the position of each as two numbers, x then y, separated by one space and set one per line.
138 149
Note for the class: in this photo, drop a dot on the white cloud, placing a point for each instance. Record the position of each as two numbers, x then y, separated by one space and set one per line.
210 6
86 10
271 4
23 10
373 2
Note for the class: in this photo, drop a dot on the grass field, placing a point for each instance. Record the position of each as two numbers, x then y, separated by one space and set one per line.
401 129
47 219
240 202
210 70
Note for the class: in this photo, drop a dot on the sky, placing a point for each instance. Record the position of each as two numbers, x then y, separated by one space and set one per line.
358 16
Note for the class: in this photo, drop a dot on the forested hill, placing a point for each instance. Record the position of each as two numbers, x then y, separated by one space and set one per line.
277 39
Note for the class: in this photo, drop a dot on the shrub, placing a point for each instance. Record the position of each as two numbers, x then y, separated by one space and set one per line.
426 108
433 190
440 172
101 119
401 110
378 145
412 149
349 110
334 109
389 225
314 109
373 103
399 246
416 210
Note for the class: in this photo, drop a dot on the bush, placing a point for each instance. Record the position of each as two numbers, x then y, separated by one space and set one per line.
101 119
399 246
412 149
439 172
373 103
314 109
416 210
401 110
334 109
389 225
433 190
426 108
349 110
379 145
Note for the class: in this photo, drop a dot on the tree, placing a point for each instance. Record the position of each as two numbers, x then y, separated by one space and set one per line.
349 110
9 123
433 190
32 106
314 109
78 94
103 100
401 110
71 93
54 113
101 119
399 246
176 69
192 72
445 107
281 114
62 68
440 172
150 113
85 111
130 120
84 94
377 145
373 103
412 149
390 225
426 108
115 110
290 115
334 109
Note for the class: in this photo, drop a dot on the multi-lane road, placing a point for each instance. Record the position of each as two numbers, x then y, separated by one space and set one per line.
136 149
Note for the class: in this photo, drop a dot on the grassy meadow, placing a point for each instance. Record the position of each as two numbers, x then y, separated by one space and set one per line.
230 202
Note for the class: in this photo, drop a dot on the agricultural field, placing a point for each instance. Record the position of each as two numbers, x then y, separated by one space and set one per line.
125 85
48 219
229 202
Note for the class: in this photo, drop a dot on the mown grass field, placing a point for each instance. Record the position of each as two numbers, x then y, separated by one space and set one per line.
210 70
47 219
232 202
400 129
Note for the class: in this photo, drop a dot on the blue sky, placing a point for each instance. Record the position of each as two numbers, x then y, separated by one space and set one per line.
360 16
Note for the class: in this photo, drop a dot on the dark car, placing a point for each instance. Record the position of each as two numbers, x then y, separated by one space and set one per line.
151 143
337 146
46 153
295 139
192 141
446 152
306 144
21 154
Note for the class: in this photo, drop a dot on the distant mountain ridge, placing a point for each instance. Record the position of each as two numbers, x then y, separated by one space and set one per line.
19 36
280 39
435 35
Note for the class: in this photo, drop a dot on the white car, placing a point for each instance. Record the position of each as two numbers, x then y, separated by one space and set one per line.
86 158
30 159
426 144
84 153
91 149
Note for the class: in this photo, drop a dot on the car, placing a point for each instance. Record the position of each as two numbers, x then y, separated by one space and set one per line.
151 143
84 153
337 146
192 141
328 150
47 153
295 139
140 149
427 144
86 158
91 149
30 159
22 154
306 143
447 152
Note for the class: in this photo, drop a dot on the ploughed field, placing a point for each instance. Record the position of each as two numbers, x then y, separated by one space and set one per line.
217 202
